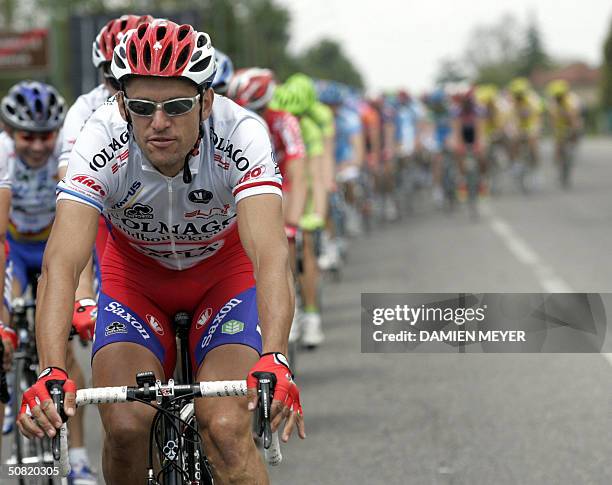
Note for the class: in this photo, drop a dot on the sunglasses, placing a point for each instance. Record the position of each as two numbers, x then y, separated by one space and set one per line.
31 136
172 107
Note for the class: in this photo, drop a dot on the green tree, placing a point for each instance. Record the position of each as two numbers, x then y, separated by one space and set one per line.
606 80
533 55
327 60
450 71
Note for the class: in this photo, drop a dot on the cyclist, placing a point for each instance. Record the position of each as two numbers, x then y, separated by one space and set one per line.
225 71
33 114
440 112
565 120
467 138
307 326
349 147
495 128
526 110
323 117
185 230
388 155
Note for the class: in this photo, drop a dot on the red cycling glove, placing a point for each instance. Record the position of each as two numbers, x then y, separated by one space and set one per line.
7 333
84 318
39 392
285 390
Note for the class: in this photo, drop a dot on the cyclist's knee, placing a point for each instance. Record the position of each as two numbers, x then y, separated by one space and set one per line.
126 431
229 432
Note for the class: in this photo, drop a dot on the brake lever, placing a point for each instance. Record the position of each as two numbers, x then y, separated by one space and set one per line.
265 391
56 393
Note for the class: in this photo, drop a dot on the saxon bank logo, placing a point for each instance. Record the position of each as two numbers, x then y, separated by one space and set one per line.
232 327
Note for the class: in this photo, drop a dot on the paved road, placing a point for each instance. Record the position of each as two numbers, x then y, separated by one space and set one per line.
433 419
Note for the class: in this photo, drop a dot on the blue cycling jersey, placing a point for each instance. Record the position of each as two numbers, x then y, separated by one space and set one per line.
348 124
441 117
407 117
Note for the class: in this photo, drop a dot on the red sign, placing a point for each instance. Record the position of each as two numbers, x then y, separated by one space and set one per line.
24 50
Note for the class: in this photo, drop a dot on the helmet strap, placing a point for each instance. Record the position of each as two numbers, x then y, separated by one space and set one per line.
187 177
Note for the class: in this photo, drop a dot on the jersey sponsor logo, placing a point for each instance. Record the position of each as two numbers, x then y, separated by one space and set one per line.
252 174
105 155
215 211
115 328
199 252
189 231
139 211
90 182
203 318
232 327
116 308
154 323
229 306
200 196
221 163
226 147
131 193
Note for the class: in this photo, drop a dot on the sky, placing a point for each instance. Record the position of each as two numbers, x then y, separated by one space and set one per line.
397 43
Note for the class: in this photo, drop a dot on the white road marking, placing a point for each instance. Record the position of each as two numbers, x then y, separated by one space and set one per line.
548 279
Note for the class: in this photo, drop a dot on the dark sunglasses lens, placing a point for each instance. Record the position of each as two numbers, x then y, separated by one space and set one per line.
141 108
178 106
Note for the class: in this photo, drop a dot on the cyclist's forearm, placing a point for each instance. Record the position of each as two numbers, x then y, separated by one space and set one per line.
86 282
55 302
275 299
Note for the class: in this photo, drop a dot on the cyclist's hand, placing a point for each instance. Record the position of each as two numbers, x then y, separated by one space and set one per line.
9 342
84 318
286 402
38 415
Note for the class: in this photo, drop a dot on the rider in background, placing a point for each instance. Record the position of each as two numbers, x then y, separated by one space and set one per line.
387 181
308 325
564 112
495 118
467 132
30 148
526 111
440 113
350 147
225 71
253 89
323 117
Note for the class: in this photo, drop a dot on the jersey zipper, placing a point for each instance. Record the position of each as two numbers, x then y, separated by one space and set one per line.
172 241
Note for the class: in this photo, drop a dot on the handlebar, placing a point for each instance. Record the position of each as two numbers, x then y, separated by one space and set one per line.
159 391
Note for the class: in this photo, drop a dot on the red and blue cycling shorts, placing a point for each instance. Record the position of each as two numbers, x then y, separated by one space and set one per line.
139 299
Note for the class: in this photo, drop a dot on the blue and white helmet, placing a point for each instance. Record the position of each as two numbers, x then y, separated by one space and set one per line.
33 106
331 92
225 71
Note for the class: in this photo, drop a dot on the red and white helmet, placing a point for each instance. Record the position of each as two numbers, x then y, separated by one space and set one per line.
163 48
252 87
110 35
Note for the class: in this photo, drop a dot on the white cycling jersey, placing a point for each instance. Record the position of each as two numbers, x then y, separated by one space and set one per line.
178 225
32 191
77 116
